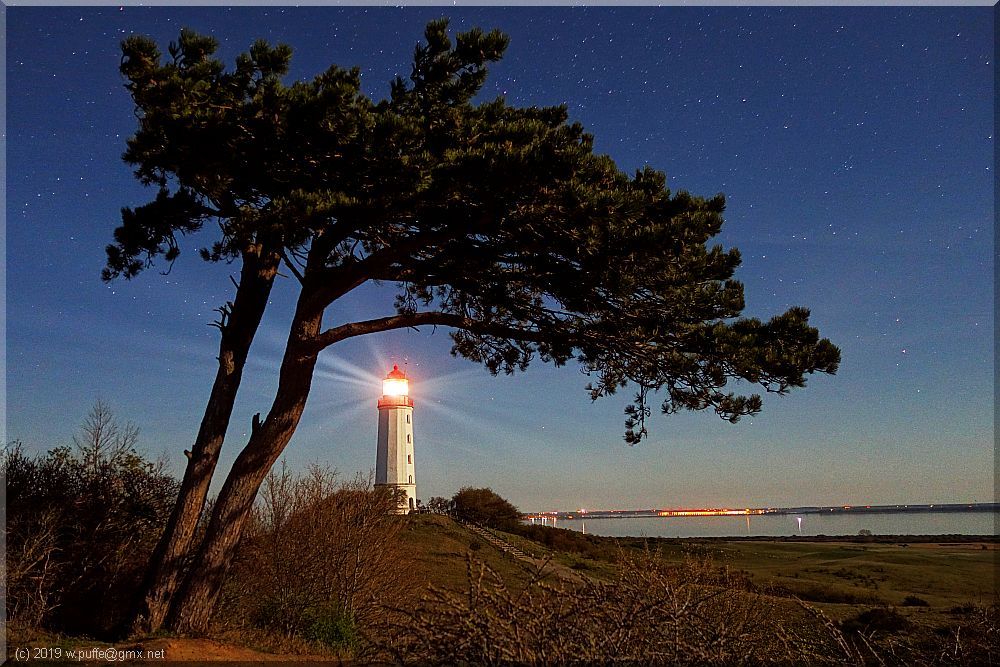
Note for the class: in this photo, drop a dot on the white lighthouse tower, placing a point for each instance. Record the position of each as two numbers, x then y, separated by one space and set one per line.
394 460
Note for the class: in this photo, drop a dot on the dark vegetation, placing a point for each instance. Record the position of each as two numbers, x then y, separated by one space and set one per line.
914 601
813 592
571 541
81 523
484 507
319 557
876 621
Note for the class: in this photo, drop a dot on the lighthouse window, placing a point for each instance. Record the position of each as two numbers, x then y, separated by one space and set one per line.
411 479
409 438
407 419
409 458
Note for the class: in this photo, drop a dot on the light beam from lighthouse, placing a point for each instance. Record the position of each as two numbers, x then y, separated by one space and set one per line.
394 465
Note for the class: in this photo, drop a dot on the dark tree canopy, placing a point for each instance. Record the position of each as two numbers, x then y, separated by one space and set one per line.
497 221
484 507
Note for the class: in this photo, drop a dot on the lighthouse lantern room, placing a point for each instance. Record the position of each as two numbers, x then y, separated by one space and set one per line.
394 459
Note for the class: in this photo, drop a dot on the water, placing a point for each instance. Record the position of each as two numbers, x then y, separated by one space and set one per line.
778 525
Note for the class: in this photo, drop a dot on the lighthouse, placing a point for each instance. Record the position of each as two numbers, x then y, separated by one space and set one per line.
394 458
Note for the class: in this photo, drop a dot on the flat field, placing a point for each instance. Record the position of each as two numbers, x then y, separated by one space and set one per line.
942 574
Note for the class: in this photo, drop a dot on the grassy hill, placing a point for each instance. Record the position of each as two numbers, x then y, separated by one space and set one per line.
437 548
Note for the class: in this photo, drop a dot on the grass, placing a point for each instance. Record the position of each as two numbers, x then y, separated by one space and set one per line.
436 548
944 575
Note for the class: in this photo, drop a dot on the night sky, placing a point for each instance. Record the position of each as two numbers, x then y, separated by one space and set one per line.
854 145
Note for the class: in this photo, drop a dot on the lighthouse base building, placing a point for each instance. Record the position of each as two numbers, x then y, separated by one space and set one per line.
394 458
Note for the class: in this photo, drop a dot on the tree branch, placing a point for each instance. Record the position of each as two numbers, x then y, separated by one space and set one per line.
436 318
376 265
291 267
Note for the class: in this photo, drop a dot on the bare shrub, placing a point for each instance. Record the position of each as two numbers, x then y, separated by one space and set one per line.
652 613
973 641
32 568
876 637
103 441
318 558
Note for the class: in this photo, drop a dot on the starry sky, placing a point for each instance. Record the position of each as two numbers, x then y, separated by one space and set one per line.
854 145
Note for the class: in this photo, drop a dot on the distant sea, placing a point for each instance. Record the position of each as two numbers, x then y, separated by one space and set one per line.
778 525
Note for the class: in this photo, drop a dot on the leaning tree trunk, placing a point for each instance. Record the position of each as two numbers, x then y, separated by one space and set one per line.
239 326
192 607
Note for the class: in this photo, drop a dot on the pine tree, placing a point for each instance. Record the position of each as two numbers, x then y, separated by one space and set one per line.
497 222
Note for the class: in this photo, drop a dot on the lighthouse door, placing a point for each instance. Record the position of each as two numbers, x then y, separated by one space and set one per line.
412 506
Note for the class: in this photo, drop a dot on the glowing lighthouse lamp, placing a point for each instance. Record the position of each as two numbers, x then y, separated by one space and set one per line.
394 458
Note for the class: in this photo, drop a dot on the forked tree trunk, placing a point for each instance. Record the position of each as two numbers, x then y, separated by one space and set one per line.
193 605
164 572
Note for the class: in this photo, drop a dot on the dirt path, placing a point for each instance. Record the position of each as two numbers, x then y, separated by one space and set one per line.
209 650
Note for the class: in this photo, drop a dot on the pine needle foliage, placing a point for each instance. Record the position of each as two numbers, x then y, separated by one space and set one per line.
497 221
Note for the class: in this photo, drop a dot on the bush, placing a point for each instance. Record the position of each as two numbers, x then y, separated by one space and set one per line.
655 612
817 592
880 620
561 539
82 522
331 626
485 507
914 601
438 505
318 559
967 608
